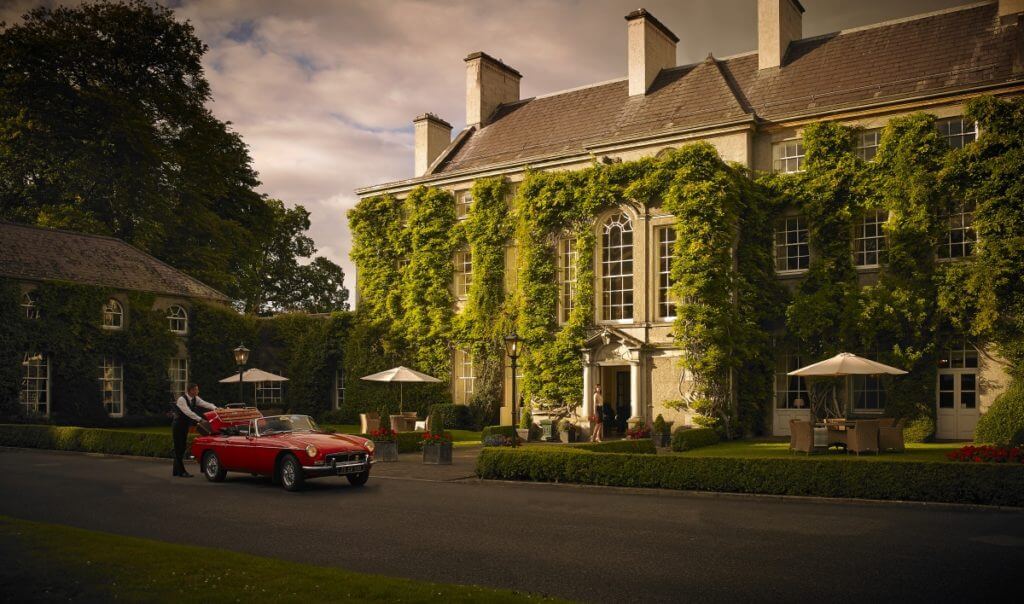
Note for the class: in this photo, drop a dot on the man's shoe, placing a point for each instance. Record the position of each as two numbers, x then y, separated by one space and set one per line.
185 475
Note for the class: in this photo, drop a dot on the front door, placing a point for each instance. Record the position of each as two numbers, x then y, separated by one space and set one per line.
623 405
957 404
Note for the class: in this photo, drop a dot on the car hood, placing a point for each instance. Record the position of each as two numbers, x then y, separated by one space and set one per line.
325 442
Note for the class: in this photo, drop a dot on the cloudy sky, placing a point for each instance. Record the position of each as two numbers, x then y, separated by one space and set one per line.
324 92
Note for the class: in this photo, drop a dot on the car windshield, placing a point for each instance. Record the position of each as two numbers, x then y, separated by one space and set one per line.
278 424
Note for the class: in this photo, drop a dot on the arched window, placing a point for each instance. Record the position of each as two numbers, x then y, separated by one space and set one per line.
113 315
177 319
30 305
617 269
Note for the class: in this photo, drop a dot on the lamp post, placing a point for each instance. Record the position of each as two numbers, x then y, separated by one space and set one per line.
241 358
512 345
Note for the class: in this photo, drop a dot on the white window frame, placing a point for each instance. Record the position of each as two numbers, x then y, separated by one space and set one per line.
788 388
112 386
959 354
267 394
34 392
865 386
30 305
113 314
177 376
872 220
463 204
177 319
339 387
666 237
617 270
787 252
959 222
788 156
568 254
867 143
463 273
466 375
957 131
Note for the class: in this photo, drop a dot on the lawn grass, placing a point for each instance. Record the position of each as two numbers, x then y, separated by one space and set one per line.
47 562
765 449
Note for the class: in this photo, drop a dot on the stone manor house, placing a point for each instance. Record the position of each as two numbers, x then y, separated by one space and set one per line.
752 108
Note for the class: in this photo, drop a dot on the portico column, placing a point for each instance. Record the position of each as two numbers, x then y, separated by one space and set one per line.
588 387
636 405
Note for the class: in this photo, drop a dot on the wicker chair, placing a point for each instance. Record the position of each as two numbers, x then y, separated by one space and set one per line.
801 436
862 437
890 434
368 422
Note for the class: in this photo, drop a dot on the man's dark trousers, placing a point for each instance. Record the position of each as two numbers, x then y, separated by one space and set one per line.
179 432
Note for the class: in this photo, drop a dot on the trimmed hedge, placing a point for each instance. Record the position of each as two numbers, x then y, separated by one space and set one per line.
644 446
408 442
454 417
685 440
509 431
1003 423
90 440
988 484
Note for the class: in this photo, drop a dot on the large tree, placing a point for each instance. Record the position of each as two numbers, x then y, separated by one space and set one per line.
104 128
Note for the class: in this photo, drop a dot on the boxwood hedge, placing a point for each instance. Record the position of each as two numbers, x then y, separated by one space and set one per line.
989 484
684 440
90 440
640 445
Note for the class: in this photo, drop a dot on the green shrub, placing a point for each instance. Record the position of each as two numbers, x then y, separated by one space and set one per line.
685 440
642 445
90 440
659 424
526 419
454 417
988 484
407 442
919 430
508 431
1003 423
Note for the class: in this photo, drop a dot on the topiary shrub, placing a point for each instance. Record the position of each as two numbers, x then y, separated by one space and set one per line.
685 440
1003 423
526 419
920 429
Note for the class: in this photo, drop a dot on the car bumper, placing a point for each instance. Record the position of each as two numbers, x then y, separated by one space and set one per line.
338 469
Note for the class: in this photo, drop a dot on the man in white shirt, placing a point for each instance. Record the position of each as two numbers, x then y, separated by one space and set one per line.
186 415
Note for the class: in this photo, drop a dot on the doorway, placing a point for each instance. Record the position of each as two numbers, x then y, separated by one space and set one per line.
957 404
615 383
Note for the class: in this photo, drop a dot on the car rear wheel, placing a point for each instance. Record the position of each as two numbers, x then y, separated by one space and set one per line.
212 468
358 480
290 473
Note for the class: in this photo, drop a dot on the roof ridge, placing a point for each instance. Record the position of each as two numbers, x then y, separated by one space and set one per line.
890 22
57 230
568 90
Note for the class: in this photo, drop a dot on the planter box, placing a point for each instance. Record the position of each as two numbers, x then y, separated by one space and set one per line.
568 436
661 440
385 451
549 431
524 434
438 454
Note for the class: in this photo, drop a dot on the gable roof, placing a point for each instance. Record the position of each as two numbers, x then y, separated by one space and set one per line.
41 254
937 53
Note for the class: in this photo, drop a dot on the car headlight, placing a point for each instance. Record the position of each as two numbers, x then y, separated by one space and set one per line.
370 446
311 451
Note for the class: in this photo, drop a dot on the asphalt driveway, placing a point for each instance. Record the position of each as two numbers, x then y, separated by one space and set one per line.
585 543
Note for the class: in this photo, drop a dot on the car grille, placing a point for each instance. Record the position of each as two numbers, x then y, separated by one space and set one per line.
345 457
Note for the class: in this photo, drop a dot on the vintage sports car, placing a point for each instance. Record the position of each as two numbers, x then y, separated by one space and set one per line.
288 448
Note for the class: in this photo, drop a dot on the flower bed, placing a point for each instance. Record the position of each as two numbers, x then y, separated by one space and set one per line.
989 484
988 453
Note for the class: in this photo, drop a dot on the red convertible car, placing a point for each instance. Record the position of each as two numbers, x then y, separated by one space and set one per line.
288 448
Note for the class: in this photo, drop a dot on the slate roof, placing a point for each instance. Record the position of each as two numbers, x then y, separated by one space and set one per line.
933 54
40 254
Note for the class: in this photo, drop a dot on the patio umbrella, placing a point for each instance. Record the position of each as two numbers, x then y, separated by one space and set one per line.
400 374
842 365
255 375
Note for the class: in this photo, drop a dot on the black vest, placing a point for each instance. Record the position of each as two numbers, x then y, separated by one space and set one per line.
180 416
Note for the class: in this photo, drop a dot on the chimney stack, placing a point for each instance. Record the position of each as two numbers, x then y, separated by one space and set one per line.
779 22
651 48
431 136
1010 11
489 83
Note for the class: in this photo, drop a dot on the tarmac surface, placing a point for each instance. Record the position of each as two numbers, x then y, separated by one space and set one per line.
584 543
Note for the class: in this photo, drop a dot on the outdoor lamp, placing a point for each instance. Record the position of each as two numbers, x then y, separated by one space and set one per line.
512 345
241 355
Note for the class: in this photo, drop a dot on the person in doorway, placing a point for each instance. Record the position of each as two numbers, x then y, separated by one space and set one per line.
596 420
186 415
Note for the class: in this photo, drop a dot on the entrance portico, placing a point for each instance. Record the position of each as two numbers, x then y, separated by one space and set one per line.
610 359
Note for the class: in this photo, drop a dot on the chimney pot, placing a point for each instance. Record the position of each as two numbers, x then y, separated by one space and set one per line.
651 47
489 83
431 136
779 22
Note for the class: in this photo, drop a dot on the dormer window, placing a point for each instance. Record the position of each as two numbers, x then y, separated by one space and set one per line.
177 319
113 315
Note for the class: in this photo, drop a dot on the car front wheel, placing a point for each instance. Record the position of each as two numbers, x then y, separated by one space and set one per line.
212 469
358 480
290 473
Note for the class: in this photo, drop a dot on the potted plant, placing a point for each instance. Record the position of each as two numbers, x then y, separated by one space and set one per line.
437 444
549 430
525 423
385 443
662 432
567 432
